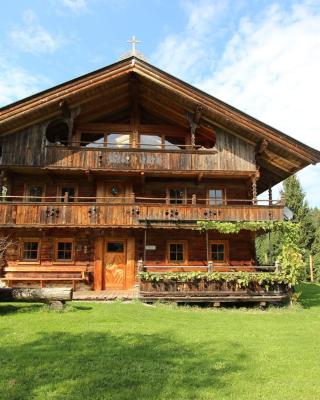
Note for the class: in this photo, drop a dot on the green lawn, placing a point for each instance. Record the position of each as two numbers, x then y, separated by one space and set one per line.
132 351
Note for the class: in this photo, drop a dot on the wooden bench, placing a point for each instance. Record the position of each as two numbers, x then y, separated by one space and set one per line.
15 274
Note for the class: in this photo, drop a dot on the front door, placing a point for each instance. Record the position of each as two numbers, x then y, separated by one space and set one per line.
115 263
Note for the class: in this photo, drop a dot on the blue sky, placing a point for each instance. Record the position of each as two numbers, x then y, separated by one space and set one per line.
262 57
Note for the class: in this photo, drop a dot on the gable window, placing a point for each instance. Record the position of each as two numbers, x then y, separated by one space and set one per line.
177 251
216 197
150 142
30 250
219 252
34 193
64 250
68 194
174 142
118 140
176 196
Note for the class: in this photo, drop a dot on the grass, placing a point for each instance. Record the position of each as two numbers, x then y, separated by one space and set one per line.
132 351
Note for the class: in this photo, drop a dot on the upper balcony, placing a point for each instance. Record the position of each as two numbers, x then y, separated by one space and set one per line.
130 213
151 152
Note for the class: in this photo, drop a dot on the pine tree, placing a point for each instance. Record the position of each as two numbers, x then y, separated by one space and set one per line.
295 200
269 246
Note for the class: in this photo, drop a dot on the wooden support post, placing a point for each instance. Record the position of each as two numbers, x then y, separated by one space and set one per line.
216 304
98 263
194 199
145 246
207 247
311 268
254 190
135 109
270 195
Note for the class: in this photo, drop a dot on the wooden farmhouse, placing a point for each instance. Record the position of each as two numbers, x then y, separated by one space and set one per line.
111 172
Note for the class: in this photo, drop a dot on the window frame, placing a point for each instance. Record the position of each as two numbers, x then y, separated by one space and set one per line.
185 251
224 196
65 240
23 260
226 259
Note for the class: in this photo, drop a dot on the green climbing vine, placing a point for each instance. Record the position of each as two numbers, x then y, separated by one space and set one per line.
290 258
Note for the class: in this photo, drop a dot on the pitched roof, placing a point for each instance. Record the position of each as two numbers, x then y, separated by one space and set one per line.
283 157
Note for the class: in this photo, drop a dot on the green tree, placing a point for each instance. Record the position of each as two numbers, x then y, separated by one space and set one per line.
268 246
294 197
315 248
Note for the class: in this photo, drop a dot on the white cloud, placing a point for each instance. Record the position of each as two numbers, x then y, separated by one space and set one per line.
181 54
268 68
75 6
16 83
33 38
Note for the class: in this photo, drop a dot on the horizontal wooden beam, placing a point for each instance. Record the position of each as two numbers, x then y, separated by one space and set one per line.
104 127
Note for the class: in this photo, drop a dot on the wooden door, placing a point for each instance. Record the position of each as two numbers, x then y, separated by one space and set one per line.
115 263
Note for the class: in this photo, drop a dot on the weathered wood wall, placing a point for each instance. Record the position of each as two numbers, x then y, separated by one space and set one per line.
30 148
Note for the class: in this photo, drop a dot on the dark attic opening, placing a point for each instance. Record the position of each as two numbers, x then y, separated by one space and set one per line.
57 132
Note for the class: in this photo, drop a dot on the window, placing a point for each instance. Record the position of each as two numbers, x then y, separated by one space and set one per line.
92 140
176 251
119 140
64 250
176 196
174 142
30 250
34 193
219 250
150 142
115 247
216 197
68 194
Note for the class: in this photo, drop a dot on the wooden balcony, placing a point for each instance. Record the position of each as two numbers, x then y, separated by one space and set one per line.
188 160
129 214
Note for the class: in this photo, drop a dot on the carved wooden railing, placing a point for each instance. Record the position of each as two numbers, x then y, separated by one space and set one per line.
129 214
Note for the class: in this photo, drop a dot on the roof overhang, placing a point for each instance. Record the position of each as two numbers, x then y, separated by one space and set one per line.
280 157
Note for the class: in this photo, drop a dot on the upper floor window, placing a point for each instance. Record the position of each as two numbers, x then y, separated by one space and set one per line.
174 142
216 197
118 140
30 250
150 142
34 193
92 140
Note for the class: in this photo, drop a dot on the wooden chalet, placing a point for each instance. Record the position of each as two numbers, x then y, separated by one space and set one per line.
111 171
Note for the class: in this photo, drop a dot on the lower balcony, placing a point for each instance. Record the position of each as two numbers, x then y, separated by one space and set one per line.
133 214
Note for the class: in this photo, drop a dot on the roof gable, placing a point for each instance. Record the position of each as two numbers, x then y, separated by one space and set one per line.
161 95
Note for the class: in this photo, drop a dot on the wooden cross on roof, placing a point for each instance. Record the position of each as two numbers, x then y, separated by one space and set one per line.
133 42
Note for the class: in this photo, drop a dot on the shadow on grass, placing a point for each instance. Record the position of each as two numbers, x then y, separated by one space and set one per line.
17 308
310 294
105 366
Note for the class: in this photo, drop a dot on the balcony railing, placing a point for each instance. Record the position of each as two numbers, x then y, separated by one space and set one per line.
130 212
135 159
